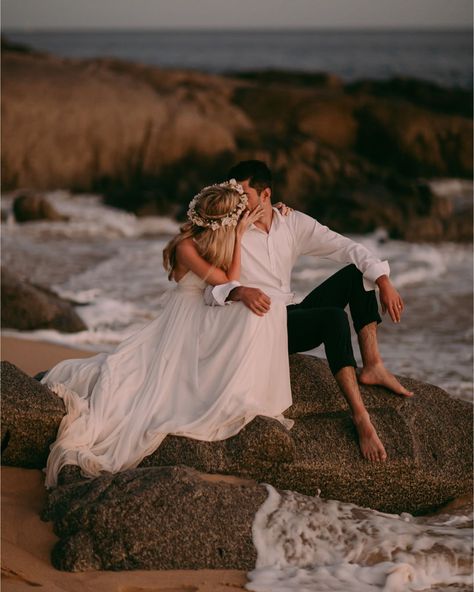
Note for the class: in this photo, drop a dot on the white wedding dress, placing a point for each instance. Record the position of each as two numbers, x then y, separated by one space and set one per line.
198 371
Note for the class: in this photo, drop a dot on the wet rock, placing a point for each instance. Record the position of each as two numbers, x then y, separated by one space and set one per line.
28 207
154 518
428 440
27 306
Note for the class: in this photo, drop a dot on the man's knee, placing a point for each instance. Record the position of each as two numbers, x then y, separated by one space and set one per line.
352 271
336 320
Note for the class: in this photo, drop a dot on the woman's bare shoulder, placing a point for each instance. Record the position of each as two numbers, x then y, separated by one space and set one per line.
186 243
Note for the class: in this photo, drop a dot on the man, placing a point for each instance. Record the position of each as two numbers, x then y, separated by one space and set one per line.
270 248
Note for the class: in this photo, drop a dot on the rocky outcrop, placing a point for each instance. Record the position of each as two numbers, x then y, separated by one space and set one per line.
30 206
27 306
428 440
415 141
148 139
30 419
155 518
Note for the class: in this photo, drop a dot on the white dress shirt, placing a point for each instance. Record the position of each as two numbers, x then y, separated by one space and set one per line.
268 258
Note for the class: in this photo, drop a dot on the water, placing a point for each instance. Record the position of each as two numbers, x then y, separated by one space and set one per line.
109 262
441 56
307 544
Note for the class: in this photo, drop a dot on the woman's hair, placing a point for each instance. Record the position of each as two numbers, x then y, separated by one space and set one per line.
216 246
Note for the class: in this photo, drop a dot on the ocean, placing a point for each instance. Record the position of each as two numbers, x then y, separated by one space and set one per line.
440 56
110 263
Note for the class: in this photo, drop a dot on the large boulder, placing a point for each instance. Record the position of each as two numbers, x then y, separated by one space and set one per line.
119 121
30 418
154 518
31 206
27 306
428 440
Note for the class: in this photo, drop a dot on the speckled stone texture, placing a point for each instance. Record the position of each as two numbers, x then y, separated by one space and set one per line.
428 439
31 415
26 306
154 518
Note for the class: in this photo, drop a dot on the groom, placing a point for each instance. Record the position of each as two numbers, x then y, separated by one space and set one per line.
270 248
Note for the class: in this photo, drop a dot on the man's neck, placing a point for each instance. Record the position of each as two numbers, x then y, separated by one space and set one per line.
266 222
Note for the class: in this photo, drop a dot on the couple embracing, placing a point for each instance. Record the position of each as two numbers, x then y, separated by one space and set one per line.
216 354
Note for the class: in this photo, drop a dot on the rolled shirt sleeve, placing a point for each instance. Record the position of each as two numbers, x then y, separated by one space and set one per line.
216 295
312 238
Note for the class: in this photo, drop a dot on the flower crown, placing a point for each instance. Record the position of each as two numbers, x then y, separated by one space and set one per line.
230 219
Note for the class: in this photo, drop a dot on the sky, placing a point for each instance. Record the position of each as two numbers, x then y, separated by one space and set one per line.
153 14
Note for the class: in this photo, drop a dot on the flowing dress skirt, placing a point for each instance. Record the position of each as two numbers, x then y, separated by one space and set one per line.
197 371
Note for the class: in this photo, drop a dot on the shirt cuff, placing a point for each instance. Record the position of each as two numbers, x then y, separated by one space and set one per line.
216 295
373 272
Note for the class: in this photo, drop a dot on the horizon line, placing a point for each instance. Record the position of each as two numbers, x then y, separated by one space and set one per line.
454 28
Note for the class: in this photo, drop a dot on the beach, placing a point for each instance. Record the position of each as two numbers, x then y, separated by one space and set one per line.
83 241
26 559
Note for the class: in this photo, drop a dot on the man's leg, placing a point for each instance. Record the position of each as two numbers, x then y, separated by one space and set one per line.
374 371
308 328
369 442
344 288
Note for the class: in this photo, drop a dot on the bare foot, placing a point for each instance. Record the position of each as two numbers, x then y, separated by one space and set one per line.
370 445
379 375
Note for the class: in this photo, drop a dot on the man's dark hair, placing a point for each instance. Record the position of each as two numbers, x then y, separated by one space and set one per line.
256 171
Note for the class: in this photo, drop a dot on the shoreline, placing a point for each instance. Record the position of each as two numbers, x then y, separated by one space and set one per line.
26 559
33 356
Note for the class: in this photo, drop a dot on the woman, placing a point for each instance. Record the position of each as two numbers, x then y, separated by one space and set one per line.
197 371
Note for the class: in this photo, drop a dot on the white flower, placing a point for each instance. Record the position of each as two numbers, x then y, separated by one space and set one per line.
232 217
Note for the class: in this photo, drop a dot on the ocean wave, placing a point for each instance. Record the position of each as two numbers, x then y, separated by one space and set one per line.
306 543
88 218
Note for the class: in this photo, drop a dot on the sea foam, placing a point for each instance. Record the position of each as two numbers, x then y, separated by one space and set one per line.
310 544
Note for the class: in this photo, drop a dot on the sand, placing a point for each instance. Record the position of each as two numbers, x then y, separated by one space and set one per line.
34 356
27 541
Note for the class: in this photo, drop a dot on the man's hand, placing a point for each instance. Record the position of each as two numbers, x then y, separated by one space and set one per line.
247 219
253 298
390 299
284 209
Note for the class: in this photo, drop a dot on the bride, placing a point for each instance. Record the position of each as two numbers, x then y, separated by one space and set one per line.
197 371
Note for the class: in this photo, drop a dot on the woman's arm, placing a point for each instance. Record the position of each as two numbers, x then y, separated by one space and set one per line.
189 257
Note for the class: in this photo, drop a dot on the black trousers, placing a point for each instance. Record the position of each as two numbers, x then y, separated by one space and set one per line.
321 318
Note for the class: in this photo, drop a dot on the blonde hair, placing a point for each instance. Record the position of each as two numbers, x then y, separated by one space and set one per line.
216 246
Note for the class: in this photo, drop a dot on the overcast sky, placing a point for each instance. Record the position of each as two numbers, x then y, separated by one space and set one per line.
125 14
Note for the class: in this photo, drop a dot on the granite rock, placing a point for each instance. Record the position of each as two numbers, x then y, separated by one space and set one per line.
31 415
154 518
428 439
28 306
